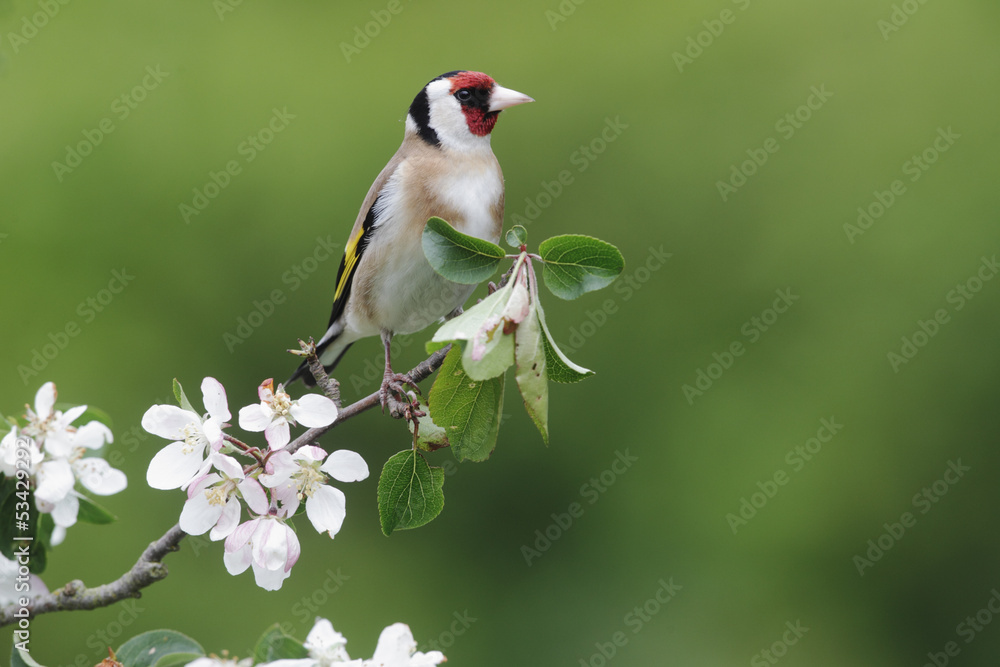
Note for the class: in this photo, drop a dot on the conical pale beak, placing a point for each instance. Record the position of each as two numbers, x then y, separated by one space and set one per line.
501 98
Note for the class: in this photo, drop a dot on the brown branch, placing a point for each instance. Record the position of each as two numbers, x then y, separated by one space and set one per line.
76 596
149 569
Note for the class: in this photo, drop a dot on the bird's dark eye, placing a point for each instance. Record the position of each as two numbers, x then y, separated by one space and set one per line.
463 95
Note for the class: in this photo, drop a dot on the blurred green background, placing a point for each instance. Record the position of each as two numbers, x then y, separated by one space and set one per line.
682 127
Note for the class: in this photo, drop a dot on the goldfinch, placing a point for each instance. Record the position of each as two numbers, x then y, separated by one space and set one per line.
445 168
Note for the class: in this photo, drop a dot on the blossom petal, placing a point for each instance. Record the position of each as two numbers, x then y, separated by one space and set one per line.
70 416
240 537
281 467
65 512
254 495
213 433
237 561
93 435
269 580
327 509
214 395
323 639
395 646
309 453
292 554
168 421
287 496
45 399
228 522
200 514
270 544
277 434
99 477
227 465
173 466
314 410
254 418
55 480
345 466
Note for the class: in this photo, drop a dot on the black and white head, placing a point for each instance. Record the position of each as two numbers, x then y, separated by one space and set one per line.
458 110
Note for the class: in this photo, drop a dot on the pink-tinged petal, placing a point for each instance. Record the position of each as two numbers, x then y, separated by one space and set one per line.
254 495
93 435
228 522
287 496
173 466
64 513
254 418
55 480
309 453
227 465
213 433
45 399
327 509
280 467
214 395
313 410
168 421
292 555
266 390
270 545
395 646
237 561
269 580
99 477
345 466
277 434
240 537
519 304
200 483
200 514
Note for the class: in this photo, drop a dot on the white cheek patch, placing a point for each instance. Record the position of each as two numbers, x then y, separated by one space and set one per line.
448 119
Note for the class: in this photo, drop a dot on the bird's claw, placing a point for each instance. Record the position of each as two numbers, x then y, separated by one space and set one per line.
393 394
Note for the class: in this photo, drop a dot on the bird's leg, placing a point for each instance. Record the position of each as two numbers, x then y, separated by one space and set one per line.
393 392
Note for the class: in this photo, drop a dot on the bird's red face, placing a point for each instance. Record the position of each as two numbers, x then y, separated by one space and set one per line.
459 109
472 90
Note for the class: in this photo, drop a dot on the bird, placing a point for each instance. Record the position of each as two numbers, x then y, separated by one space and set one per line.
444 168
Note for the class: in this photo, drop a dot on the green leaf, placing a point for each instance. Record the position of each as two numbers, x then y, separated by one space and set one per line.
430 436
517 236
409 492
177 659
91 512
559 367
532 378
182 399
150 648
577 264
468 410
275 644
433 346
20 658
459 258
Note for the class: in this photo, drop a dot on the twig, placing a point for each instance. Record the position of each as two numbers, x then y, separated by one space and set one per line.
76 596
149 569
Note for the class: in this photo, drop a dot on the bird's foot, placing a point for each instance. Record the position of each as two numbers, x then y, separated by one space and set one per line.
402 403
